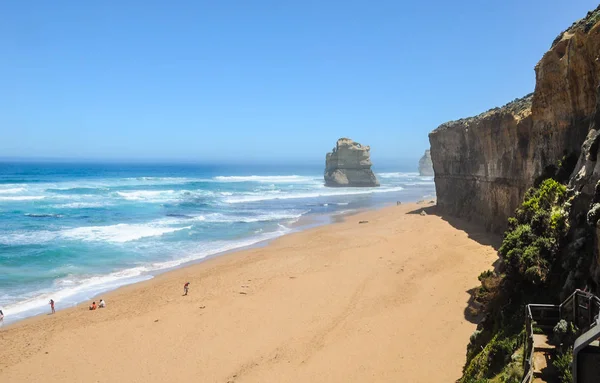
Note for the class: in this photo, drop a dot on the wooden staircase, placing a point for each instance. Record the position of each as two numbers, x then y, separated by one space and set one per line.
543 356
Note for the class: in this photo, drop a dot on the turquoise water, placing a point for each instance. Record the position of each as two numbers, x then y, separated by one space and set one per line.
69 232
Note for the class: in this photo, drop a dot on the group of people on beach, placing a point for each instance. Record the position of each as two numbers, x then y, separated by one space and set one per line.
93 306
100 305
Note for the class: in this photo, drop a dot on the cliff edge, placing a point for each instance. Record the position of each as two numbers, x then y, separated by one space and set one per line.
484 164
349 164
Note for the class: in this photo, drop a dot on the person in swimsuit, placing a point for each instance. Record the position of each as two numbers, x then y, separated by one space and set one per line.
52 305
186 288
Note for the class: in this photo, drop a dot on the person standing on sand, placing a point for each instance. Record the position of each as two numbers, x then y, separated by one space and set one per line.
186 288
1 317
52 305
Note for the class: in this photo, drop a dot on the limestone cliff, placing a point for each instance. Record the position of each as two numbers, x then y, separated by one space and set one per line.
349 164
425 164
484 164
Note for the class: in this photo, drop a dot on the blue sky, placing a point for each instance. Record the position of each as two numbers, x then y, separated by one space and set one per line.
259 80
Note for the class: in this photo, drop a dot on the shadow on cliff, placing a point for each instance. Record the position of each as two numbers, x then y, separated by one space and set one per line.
476 232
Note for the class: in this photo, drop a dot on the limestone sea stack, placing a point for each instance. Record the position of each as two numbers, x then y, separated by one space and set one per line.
349 164
425 165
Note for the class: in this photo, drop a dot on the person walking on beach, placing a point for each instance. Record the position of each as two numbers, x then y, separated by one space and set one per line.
52 305
186 288
1 317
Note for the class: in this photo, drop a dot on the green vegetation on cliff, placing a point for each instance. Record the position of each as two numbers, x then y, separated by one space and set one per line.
529 253
531 242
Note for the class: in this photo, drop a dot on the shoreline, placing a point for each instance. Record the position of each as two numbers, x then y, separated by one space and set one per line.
307 222
262 270
312 221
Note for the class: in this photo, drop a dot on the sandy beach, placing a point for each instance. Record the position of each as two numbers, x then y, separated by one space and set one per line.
381 301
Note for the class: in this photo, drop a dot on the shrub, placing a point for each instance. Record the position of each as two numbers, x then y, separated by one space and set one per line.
564 333
530 244
513 373
563 364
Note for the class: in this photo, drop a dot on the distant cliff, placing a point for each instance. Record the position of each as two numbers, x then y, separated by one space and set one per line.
349 164
484 164
425 164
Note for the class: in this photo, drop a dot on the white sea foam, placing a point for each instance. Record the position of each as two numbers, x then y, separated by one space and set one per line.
81 205
28 238
260 217
12 190
418 183
22 198
118 233
144 195
162 196
162 179
74 289
396 175
255 197
253 216
269 179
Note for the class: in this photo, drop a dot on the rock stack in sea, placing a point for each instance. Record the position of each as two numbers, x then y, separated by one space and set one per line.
349 164
425 165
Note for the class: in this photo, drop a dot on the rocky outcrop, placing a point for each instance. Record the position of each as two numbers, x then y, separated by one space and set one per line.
349 164
484 164
425 164
481 162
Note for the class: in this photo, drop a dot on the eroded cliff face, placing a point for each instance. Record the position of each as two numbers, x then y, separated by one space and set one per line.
484 164
480 163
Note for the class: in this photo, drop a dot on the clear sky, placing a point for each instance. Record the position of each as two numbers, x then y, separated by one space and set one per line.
259 80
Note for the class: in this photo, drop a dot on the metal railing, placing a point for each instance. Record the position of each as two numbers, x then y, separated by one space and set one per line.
581 308
534 313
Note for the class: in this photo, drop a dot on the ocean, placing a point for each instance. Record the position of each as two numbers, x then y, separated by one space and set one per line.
72 231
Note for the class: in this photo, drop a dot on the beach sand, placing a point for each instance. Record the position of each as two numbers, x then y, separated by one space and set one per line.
382 301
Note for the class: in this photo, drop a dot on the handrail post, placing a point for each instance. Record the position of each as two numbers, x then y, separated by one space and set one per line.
575 309
590 311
